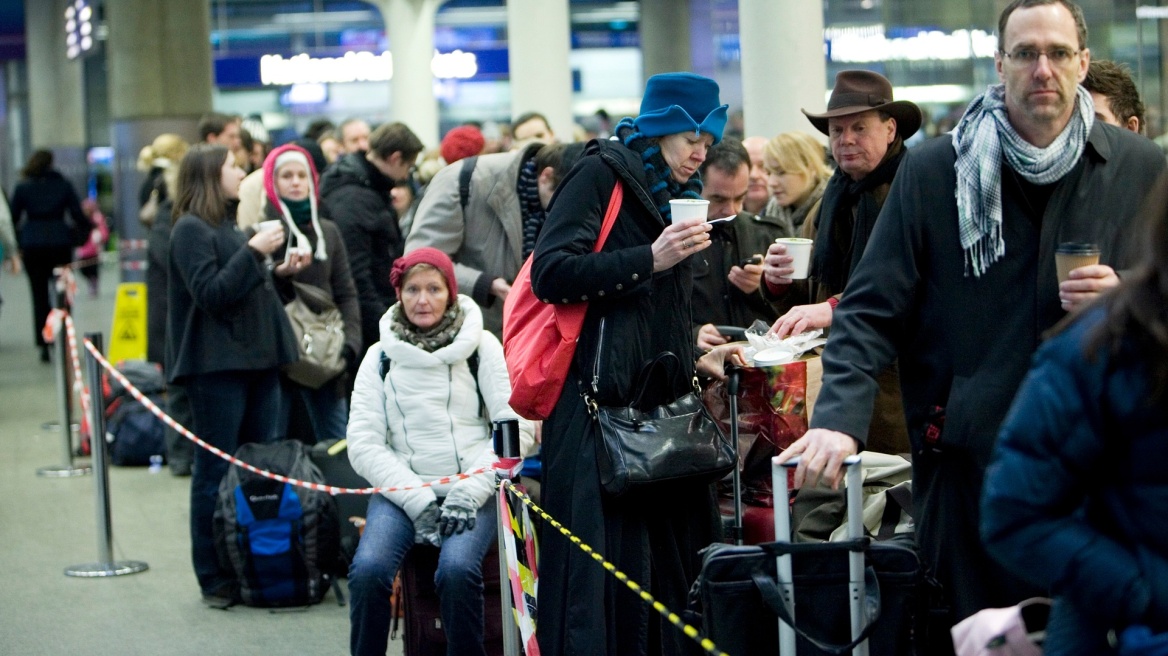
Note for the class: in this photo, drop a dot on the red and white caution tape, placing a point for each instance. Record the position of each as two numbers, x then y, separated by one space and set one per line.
133 244
150 405
79 387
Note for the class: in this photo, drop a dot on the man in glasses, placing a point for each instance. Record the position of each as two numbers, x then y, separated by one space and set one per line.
959 282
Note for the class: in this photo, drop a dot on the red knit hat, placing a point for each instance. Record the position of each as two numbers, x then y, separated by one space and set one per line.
462 142
424 255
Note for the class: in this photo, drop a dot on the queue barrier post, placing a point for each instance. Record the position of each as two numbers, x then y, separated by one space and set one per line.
506 438
60 363
106 566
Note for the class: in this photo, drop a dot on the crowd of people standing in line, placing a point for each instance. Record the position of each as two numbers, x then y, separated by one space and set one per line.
932 269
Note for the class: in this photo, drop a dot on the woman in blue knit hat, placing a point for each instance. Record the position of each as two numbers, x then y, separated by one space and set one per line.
638 292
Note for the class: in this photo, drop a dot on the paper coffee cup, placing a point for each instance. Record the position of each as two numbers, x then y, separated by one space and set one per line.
1072 255
264 226
800 249
688 208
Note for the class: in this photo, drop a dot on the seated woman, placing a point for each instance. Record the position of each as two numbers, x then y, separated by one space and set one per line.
417 415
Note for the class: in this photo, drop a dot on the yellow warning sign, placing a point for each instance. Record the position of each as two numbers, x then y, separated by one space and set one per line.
128 334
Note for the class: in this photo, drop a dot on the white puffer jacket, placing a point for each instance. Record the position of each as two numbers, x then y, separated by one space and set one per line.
423 421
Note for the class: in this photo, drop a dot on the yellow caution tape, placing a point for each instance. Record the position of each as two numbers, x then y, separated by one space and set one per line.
673 618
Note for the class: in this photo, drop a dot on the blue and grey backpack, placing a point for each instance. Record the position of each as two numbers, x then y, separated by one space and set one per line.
279 539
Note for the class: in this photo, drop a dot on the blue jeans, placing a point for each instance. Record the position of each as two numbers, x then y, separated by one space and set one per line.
228 408
389 534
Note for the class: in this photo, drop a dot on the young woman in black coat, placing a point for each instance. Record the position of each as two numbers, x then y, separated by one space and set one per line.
49 224
638 289
227 337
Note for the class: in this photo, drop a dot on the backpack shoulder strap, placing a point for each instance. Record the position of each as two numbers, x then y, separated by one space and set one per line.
464 176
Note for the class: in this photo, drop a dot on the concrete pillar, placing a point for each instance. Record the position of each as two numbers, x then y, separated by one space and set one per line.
783 65
159 59
665 36
538 41
55 90
409 24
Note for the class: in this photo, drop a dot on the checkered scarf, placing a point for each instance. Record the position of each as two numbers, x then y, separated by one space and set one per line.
982 138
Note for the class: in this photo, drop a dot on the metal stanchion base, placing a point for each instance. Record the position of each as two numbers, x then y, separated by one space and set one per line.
53 424
64 471
96 570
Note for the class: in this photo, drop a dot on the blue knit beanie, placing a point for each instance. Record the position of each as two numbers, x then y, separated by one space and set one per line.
681 102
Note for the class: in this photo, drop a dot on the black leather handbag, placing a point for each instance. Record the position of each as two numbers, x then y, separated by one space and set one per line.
675 441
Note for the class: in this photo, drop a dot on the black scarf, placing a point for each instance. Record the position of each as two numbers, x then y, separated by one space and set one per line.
662 186
838 242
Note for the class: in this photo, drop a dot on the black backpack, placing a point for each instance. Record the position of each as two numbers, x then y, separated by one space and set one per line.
133 433
279 539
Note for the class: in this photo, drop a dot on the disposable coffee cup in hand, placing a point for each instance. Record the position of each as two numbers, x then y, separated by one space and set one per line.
1072 255
800 249
683 209
264 226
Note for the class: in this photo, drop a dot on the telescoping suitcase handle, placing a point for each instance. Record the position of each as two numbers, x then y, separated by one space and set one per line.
857 585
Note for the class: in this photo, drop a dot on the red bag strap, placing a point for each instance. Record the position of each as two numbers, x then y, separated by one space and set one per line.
614 204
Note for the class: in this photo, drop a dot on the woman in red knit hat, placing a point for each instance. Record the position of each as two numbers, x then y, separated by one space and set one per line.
417 416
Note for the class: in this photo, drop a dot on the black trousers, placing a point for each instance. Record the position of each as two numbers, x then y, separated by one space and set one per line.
39 264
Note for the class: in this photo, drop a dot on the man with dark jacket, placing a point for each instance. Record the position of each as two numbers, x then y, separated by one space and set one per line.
488 223
958 282
866 130
357 191
726 280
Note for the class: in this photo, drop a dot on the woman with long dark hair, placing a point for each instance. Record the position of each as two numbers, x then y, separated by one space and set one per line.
1076 499
227 337
49 224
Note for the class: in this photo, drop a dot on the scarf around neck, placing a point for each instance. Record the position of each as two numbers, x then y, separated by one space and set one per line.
982 139
662 187
441 334
530 207
832 258
301 211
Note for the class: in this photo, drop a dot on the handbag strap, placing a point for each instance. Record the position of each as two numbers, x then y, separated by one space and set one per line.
773 598
614 205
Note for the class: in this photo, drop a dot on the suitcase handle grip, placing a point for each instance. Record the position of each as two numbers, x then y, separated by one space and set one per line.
848 461
772 596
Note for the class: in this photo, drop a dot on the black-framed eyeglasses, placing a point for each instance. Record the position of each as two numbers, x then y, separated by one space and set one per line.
1030 56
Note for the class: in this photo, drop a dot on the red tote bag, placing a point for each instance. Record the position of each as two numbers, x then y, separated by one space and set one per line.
539 339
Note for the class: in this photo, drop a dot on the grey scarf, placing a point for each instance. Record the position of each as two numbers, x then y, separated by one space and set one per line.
982 139
439 335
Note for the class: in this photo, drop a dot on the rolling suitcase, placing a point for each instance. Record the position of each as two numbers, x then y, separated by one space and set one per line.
423 634
854 596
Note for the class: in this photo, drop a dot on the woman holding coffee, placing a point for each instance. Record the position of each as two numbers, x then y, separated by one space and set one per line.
316 256
421 403
638 289
227 337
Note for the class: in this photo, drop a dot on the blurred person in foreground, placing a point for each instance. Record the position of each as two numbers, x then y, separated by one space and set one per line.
958 283
1076 497
639 289
418 415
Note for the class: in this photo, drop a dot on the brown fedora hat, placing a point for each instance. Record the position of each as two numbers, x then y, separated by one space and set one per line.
862 91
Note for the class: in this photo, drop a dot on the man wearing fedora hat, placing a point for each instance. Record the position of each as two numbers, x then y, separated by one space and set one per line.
866 129
958 285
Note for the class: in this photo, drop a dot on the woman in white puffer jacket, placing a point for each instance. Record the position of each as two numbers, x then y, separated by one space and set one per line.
421 420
